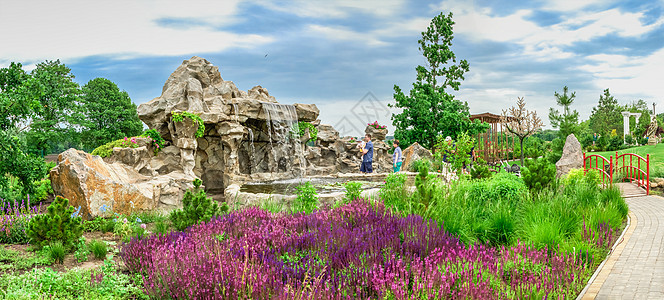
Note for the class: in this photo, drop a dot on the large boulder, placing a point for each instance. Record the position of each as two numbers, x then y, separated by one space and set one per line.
89 182
306 112
377 134
327 133
572 156
413 153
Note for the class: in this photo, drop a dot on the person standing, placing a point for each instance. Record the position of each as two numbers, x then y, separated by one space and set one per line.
397 157
367 155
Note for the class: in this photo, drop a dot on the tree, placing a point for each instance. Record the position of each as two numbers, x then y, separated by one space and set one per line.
108 112
521 122
17 101
428 110
606 115
568 121
58 98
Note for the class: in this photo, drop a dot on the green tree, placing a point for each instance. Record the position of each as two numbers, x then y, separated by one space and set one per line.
606 115
108 112
428 110
17 101
567 121
58 109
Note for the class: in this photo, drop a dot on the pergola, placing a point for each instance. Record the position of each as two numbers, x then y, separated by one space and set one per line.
495 144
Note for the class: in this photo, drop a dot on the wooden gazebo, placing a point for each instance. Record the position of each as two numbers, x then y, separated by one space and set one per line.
496 143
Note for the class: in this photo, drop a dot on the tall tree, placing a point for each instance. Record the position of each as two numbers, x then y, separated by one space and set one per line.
58 97
17 99
521 122
567 121
606 116
109 113
428 110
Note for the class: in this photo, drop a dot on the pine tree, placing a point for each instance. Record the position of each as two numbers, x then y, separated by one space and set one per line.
606 115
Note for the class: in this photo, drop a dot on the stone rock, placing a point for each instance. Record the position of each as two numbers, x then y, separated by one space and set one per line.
327 133
306 112
413 153
572 156
377 134
89 182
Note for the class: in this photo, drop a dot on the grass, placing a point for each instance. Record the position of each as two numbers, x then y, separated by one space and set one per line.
656 154
98 249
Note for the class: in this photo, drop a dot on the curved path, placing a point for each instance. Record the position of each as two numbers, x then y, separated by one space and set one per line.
635 269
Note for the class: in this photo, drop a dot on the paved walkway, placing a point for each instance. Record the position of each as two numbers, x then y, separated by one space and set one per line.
635 270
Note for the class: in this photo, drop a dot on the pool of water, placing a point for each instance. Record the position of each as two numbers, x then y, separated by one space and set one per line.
322 185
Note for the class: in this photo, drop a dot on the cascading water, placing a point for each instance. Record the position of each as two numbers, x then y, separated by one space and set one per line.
236 111
251 145
281 120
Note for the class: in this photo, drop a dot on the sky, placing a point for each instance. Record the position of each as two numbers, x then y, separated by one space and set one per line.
346 56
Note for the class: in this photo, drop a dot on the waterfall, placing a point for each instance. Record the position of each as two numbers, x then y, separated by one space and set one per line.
237 113
251 146
282 120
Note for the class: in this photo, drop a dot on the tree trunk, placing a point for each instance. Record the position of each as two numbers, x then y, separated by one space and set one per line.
521 142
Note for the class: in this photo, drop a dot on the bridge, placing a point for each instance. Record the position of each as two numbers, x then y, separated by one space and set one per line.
627 167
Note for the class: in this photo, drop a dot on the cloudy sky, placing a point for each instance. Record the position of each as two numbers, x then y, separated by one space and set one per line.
346 56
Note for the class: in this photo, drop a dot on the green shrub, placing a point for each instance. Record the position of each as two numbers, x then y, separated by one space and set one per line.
179 117
59 223
353 190
82 251
98 249
197 207
307 198
17 164
56 251
107 149
301 129
42 189
424 188
394 192
157 142
579 176
480 170
501 226
538 174
161 227
415 165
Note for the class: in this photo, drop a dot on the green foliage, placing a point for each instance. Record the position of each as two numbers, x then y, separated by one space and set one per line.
424 187
394 192
58 224
157 142
42 189
538 174
179 117
108 113
17 96
55 250
107 149
457 152
307 198
98 224
26 168
161 227
353 190
579 176
567 121
13 260
82 250
428 110
606 116
415 165
197 207
480 170
40 283
98 249
301 129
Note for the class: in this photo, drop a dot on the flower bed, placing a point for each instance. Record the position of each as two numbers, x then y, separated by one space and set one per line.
356 251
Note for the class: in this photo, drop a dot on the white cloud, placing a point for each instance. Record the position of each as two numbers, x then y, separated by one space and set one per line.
344 34
335 9
37 30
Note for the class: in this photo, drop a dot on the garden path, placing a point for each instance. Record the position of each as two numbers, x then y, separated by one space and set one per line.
635 269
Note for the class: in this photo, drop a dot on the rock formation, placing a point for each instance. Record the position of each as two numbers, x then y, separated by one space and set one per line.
572 156
413 153
248 136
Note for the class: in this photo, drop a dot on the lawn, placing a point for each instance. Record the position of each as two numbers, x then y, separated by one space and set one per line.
656 154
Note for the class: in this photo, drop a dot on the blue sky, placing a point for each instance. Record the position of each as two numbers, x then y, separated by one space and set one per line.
333 53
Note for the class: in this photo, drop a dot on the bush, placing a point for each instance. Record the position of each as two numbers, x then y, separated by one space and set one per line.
394 192
14 162
98 249
157 142
42 189
538 174
58 224
629 140
197 207
161 227
480 170
56 251
579 176
307 198
353 190
301 129
107 149
415 165
82 251
615 143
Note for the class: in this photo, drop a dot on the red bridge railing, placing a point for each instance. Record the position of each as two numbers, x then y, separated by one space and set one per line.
601 164
631 166
626 167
